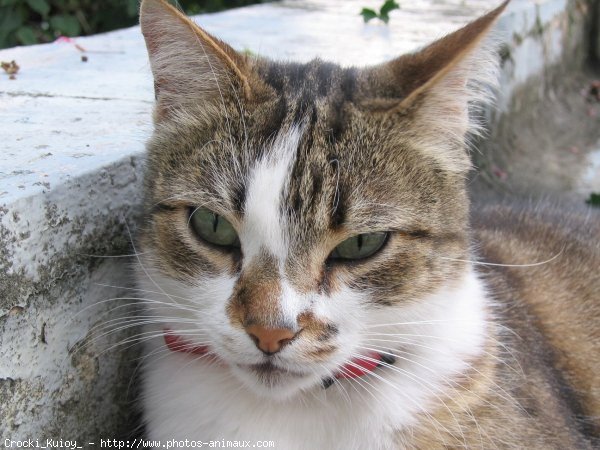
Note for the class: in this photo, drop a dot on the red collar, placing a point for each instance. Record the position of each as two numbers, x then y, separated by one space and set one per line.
178 344
358 367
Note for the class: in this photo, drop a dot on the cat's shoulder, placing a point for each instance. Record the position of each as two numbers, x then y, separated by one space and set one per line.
540 261
546 253
529 218
545 249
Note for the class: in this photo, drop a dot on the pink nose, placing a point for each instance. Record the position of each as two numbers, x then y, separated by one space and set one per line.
270 340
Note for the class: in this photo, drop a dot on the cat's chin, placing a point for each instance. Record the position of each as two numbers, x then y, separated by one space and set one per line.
272 382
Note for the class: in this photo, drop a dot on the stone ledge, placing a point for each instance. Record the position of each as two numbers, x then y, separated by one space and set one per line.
70 179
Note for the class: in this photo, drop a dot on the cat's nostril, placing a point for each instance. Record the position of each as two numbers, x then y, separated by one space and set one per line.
270 340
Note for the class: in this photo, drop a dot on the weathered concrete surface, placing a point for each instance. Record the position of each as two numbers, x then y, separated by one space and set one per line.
595 31
58 374
546 148
70 172
543 142
539 38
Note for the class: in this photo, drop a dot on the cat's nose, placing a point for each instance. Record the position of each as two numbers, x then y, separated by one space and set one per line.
270 340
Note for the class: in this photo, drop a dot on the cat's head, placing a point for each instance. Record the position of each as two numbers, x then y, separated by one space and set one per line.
294 207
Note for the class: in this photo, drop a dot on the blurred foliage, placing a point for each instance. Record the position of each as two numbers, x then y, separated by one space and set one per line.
594 199
24 22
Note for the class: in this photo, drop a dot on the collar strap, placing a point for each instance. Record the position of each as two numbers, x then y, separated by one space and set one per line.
362 366
178 344
356 368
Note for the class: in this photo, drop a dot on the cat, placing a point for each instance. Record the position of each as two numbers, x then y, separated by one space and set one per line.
312 273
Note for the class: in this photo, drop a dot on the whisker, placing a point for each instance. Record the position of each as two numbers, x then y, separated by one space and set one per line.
142 265
419 382
419 406
445 378
482 263
420 345
139 290
131 255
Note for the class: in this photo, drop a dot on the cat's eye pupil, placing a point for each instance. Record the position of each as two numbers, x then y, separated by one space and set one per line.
359 246
213 228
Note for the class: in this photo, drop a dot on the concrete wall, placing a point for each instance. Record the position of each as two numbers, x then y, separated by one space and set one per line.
543 40
70 184
594 6
541 116
59 375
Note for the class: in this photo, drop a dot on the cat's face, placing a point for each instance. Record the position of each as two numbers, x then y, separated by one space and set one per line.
292 208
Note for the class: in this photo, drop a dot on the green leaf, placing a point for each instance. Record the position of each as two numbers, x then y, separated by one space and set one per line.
388 6
8 2
39 6
65 24
594 199
10 20
26 36
368 14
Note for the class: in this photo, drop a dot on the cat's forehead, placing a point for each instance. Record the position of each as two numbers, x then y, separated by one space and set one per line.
359 182
302 87
333 163
317 95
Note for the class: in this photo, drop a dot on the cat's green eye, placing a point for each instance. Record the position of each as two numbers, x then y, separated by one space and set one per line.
359 246
213 228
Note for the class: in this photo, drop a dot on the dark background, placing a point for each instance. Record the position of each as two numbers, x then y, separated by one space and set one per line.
25 22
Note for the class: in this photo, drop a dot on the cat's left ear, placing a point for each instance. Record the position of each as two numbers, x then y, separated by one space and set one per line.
432 88
190 66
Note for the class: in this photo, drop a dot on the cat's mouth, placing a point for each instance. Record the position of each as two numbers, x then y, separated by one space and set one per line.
267 369
272 375
267 379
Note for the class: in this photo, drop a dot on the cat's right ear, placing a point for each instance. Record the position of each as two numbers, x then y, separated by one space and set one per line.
190 66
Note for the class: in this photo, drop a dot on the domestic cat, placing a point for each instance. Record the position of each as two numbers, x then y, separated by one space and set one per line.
312 274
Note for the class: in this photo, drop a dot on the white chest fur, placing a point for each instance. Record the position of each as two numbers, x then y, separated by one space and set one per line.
209 404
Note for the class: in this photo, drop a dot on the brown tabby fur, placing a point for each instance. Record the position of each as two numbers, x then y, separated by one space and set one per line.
382 149
538 386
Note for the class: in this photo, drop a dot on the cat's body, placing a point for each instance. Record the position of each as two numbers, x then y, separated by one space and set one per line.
307 220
